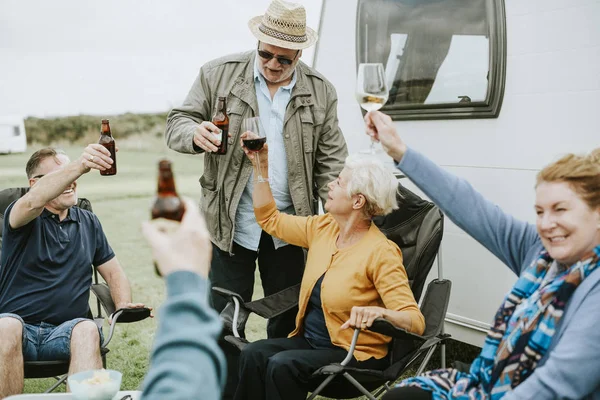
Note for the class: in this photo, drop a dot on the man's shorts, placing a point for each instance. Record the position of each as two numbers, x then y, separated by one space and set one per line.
47 342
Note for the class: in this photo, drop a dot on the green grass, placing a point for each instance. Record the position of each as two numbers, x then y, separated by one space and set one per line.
122 202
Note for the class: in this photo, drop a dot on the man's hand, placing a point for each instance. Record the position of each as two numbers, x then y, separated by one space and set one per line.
363 317
187 248
95 156
381 128
206 137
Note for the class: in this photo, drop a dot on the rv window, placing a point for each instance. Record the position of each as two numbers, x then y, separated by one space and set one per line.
442 58
16 131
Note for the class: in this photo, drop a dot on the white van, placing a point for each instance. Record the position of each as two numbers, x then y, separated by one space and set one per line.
12 135
492 90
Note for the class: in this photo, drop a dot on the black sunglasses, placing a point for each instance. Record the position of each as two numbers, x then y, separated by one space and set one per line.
37 177
281 60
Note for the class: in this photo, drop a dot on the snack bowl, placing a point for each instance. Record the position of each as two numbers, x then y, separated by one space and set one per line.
99 384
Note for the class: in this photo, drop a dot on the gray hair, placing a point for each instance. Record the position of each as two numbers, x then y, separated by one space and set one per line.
369 177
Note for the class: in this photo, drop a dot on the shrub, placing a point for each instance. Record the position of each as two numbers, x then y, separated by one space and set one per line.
82 129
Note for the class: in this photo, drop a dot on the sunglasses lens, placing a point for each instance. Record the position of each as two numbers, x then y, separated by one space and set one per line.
280 60
265 55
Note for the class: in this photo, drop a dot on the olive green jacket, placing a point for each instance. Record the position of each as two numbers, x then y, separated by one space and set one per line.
314 143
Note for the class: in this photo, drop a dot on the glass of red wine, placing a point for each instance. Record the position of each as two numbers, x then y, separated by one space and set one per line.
256 141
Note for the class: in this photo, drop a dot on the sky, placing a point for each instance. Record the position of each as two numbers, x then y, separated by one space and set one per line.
69 57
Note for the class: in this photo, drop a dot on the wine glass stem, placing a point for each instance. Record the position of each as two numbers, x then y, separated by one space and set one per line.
372 146
259 178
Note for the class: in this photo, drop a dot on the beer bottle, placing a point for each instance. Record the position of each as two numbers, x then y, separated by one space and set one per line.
168 208
221 120
108 141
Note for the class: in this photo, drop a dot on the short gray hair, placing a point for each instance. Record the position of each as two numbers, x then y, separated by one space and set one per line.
370 177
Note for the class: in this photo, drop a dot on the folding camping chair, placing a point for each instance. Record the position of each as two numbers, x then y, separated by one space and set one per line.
58 369
417 228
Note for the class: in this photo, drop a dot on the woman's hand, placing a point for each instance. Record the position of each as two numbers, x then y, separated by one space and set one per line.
363 317
263 153
381 128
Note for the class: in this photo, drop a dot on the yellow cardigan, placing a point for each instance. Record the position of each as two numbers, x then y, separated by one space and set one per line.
368 273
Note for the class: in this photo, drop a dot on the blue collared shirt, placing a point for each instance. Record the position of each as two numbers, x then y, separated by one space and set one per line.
271 113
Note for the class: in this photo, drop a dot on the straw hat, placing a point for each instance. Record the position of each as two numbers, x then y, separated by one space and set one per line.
283 25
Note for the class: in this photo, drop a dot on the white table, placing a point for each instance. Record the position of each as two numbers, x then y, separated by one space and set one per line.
135 394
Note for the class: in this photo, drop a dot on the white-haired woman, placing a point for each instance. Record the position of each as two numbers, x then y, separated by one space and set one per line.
353 275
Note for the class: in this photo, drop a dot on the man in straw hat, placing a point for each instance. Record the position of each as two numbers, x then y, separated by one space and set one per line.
298 110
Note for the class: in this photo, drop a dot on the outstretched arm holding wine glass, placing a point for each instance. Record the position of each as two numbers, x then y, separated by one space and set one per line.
261 194
380 128
290 228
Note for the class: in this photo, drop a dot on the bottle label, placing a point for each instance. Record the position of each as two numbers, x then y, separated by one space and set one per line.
165 225
219 135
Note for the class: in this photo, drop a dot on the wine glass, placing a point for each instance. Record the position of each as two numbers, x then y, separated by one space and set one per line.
256 142
371 88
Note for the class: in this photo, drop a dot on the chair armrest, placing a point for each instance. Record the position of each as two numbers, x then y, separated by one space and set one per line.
267 307
128 315
385 327
122 315
275 304
125 315
102 292
227 293
234 315
236 312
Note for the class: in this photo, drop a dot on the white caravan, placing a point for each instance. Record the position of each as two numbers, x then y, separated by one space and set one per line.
492 90
12 135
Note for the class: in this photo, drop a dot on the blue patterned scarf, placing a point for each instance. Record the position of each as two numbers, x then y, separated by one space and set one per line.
519 338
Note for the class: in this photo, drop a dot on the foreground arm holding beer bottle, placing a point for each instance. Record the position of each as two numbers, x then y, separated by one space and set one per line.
186 361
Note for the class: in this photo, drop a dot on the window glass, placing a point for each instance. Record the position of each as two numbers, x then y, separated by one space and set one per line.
442 58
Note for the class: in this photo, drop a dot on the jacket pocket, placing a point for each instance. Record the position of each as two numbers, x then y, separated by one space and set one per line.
210 206
312 120
308 129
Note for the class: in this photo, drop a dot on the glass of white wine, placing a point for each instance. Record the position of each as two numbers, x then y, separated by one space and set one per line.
371 88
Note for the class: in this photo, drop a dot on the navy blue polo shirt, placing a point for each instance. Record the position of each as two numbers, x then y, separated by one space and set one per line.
46 266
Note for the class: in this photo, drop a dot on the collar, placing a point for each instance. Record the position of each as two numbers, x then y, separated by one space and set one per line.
258 76
71 215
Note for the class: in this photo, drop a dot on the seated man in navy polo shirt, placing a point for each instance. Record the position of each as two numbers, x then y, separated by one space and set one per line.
45 270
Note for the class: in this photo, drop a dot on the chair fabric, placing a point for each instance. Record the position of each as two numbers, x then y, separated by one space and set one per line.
48 369
417 228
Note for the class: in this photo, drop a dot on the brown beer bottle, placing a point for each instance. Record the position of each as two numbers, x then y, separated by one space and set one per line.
108 141
221 120
168 208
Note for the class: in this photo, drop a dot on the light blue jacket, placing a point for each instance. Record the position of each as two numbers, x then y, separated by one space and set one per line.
571 368
186 362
